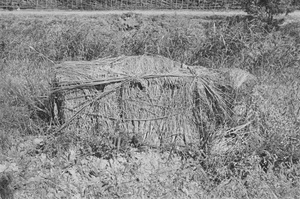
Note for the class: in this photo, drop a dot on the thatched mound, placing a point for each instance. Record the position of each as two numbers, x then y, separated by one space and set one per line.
152 97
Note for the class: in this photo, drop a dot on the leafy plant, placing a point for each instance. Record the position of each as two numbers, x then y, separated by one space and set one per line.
267 9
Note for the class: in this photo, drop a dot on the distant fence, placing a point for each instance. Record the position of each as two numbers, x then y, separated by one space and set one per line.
120 4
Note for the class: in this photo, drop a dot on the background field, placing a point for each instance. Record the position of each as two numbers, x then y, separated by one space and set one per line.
260 161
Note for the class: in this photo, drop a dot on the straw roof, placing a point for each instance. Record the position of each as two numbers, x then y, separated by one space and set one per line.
84 74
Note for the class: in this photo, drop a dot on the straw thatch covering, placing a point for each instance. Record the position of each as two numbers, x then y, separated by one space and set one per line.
152 97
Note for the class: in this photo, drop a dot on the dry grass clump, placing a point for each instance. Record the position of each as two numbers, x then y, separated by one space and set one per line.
109 102
151 97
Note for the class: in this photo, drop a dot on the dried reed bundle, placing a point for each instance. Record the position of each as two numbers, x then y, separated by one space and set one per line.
153 97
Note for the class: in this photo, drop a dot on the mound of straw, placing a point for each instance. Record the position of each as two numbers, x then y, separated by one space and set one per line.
152 97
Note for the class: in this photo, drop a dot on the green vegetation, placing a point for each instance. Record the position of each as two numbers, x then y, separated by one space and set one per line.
255 156
267 9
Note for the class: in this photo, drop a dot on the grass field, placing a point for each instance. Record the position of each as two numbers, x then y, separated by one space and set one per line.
255 155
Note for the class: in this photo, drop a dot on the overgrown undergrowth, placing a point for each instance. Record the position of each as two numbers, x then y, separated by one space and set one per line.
257 157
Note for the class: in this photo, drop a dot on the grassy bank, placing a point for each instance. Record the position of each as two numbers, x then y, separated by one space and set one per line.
261 160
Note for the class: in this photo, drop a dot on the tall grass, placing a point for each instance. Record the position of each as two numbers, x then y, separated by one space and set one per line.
257 157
